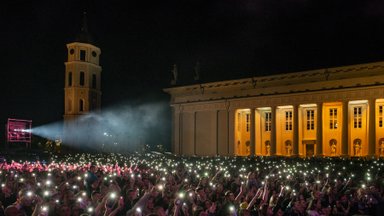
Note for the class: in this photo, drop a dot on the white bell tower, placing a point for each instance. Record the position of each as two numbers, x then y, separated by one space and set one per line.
82 91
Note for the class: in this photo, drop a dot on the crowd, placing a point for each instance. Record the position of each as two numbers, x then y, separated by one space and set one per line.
163 184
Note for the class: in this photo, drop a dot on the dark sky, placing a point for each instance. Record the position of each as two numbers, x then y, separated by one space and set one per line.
141 40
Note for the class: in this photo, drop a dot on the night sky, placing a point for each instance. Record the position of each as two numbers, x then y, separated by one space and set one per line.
141 41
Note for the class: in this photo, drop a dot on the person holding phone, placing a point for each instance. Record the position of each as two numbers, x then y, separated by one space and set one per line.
90 180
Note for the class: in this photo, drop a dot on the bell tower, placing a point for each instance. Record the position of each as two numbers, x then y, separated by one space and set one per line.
82 91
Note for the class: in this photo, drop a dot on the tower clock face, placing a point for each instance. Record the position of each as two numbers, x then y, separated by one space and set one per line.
71 51
94 54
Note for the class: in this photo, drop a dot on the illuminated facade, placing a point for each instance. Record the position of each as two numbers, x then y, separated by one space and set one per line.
82 84
326 112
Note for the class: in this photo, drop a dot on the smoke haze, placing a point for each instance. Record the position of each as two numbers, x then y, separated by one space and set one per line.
124 127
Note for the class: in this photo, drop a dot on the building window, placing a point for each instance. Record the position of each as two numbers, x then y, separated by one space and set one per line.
82 55
333 118
380 116
310 119
82 78
248 122
268 121
288 120
81 105
70 79
357 121
94 81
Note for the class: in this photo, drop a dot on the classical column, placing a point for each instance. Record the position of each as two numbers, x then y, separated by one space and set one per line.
372 128
273 130
319 129
345 138
231 130
175 131
227 108
295 143
252 134
217 132
194 132
180 133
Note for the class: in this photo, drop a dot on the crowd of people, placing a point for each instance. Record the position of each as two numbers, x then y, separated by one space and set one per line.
163 184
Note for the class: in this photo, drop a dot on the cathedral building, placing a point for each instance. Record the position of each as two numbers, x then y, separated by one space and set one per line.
82 91
325 112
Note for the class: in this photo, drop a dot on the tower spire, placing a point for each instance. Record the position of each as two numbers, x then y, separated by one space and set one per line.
84 28
84 35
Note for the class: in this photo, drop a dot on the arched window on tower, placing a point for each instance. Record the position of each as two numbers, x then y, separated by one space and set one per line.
81 105
82 78
93 102
82 55
70 79
69 105
94 81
